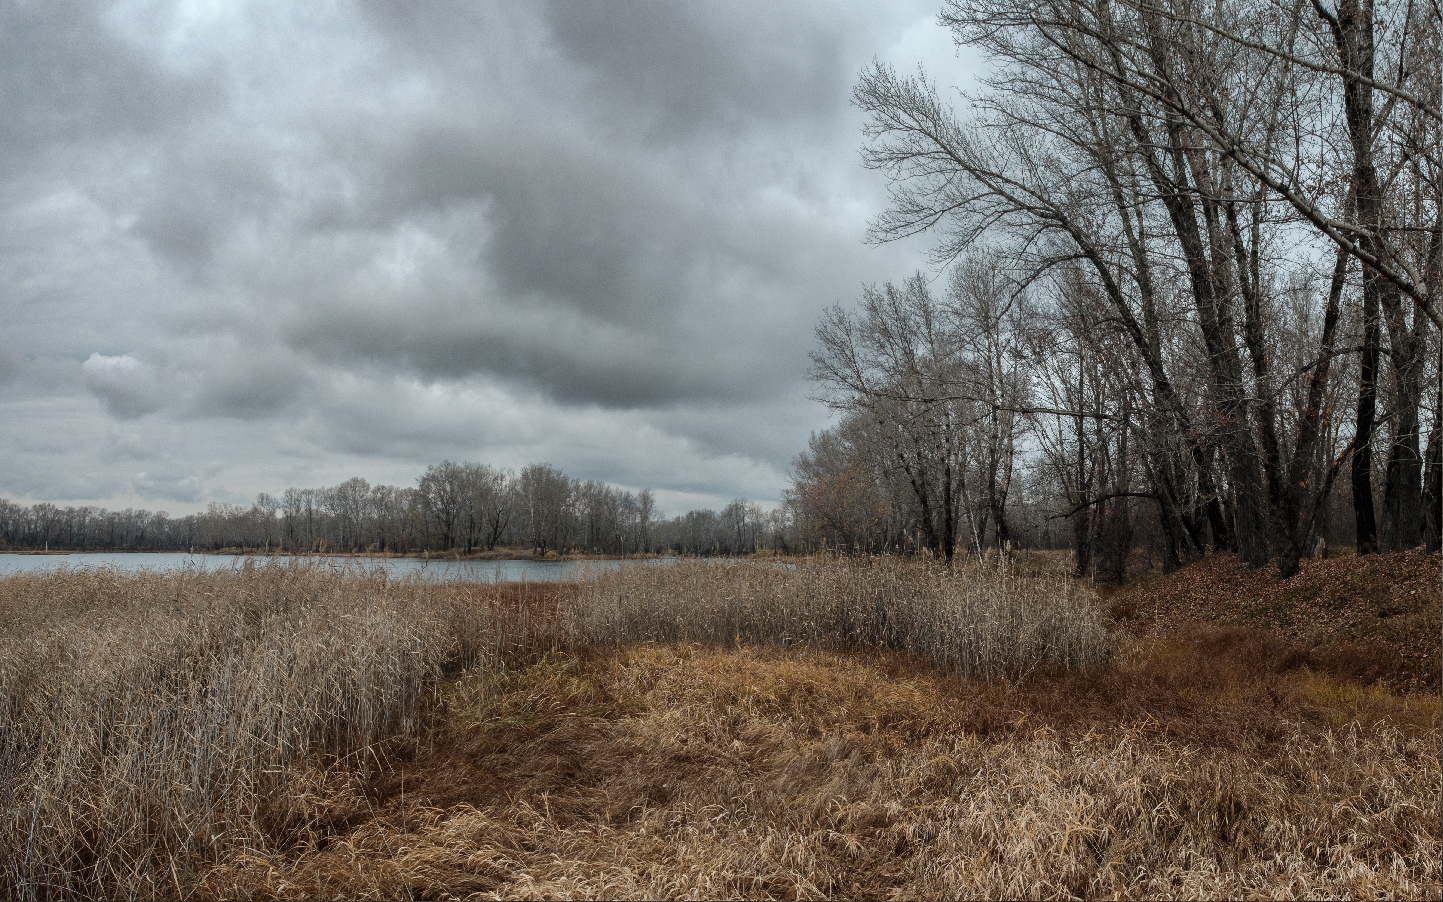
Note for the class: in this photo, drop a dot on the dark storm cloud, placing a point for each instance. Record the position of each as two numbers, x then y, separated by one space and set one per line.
588 268
249 383
568 222
211 187
167 487
588 220
693 67
67 77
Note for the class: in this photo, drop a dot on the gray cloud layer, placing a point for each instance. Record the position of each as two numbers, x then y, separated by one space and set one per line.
259 245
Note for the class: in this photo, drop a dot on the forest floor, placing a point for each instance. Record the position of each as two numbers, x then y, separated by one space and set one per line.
1251 738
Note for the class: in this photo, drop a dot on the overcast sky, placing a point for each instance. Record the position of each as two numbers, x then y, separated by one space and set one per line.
245 246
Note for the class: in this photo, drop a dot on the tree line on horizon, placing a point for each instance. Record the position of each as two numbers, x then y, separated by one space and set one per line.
467 508
1190 258
453 508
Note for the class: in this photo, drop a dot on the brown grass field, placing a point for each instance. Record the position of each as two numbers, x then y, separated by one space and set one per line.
864 729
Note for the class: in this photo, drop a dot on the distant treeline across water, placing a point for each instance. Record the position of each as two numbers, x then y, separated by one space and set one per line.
460 507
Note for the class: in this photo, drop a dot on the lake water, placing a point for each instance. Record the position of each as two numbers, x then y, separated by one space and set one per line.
436 568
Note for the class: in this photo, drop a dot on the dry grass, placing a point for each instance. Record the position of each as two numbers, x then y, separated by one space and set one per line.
150 723
678 771
836 728
983 621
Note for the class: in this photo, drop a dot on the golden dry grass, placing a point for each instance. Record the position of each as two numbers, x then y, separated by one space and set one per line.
677 771
745 730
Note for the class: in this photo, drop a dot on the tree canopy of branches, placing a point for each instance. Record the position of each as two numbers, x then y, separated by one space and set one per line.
1218 228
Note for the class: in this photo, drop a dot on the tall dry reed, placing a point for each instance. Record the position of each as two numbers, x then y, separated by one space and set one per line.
977 620
152 722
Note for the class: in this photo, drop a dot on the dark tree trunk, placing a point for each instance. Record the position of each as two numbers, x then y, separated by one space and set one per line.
1362 463
1082 541
1433 481
916 478
1303 478
949 513
1353 34
1403 492
1170 559
1207 278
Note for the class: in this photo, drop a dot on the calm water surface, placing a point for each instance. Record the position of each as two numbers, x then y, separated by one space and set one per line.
438 569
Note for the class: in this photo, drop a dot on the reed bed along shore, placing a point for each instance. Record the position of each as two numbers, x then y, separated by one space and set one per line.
983 620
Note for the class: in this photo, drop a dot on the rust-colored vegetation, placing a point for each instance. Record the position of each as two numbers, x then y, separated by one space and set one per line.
1371 618
301 732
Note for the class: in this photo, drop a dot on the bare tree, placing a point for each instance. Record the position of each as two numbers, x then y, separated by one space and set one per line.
546 501
443 497
1174 143
897 362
